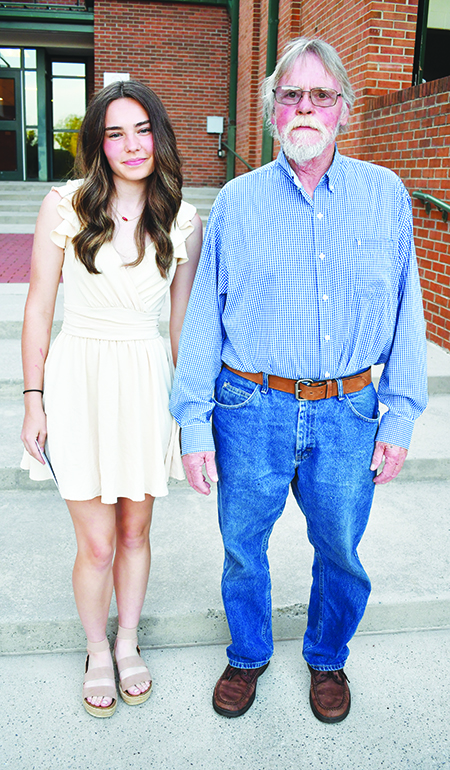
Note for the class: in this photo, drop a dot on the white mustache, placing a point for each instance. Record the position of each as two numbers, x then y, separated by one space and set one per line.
308 122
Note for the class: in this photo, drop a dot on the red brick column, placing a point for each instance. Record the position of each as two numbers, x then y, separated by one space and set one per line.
409 132
248 116
182 52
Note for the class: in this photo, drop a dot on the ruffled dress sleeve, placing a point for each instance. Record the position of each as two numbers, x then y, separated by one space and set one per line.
70 224
181 229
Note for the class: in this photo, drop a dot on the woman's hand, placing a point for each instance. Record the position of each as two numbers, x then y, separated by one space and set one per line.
34 425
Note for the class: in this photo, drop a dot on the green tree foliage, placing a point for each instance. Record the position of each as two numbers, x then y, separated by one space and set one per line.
66 139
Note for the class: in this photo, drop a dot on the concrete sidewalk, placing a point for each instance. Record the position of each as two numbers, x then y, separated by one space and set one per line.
399 664
398 720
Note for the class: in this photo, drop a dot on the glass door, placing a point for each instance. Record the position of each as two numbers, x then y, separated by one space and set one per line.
11 159
68 99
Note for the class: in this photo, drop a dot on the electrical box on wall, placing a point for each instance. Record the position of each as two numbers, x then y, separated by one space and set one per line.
214 125
114 77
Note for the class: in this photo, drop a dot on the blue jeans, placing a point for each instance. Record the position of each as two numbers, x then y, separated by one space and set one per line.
265 441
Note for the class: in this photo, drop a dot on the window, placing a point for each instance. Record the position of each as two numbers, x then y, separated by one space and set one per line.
431 58
437 58
68 108
10 57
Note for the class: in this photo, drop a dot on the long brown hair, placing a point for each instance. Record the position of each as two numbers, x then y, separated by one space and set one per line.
92 199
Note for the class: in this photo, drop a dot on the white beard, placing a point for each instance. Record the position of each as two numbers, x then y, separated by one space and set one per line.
299 149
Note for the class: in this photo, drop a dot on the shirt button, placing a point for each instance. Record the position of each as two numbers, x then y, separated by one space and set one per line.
331 186
327 374
321 256
325 297
319 215
327 337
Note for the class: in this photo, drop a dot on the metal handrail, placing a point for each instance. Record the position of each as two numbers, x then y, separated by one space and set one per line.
430 200
224 144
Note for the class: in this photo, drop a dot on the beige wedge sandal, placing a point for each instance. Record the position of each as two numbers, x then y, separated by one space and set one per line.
132 670
99 682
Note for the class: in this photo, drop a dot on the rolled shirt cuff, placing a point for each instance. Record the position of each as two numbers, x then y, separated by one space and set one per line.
197 438
395 430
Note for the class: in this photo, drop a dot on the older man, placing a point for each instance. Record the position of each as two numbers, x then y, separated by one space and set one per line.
308 277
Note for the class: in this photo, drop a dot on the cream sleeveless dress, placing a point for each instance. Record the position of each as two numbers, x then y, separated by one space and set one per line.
108 374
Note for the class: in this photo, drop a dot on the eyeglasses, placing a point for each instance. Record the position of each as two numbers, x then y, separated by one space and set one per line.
320 97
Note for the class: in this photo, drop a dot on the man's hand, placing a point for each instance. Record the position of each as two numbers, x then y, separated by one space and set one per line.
394 457
193 465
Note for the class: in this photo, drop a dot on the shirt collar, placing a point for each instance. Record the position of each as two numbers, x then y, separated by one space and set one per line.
330 176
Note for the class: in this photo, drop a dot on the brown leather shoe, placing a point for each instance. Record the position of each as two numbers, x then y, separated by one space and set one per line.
235 691
329 695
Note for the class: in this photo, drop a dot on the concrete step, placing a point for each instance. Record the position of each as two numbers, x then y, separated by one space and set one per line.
428 457
405 551
19 205
18 218
11 205
7 188
41 188
10 200
20 202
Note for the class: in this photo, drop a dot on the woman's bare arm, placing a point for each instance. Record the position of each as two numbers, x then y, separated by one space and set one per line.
46 264
182 284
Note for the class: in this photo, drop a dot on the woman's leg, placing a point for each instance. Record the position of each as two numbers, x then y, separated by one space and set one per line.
95 530
131 570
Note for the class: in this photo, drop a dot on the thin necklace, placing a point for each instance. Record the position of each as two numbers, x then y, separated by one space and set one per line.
126 219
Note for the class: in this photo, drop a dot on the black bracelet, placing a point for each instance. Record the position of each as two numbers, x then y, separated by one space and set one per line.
33 390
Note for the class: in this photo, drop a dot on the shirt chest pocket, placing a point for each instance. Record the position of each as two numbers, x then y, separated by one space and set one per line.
372 263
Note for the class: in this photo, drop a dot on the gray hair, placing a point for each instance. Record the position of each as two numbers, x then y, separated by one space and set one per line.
298 49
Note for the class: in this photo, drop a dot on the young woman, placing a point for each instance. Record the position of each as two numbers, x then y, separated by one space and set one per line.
121 236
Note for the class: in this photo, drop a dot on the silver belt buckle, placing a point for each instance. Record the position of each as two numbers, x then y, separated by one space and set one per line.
297 388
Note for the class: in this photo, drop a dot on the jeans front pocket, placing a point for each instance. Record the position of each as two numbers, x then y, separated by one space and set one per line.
364 404
232 391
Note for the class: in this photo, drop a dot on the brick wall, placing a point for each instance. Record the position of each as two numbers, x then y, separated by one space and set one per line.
251 72
290 15
248 133
409 132
182 52
406 129
395 125
375 41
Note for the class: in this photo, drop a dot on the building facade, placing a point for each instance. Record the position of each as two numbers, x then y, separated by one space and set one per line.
396 54
206 59
53 57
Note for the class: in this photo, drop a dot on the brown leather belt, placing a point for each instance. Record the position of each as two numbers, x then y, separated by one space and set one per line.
309 389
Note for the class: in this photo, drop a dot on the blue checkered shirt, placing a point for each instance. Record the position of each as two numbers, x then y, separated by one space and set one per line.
304 287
